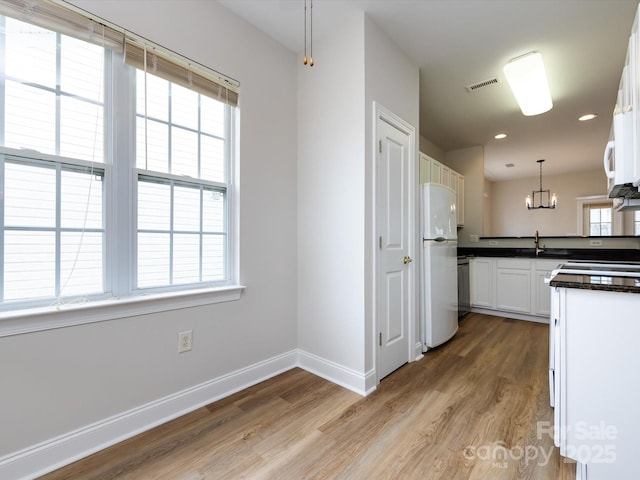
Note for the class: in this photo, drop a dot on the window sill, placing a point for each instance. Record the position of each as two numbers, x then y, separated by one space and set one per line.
20 322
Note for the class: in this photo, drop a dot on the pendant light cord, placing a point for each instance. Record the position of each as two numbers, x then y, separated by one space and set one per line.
540 175
311 36
305 60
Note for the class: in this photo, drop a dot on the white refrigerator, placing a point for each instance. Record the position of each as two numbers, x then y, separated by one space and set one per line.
439 298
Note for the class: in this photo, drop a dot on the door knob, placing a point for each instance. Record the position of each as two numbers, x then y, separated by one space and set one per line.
407 260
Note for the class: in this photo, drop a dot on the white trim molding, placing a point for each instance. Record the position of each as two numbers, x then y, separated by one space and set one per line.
57 452
360 383
18 322
37 460
513 315
383 114
616 216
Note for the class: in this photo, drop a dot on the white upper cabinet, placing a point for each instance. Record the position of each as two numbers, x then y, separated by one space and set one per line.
433 171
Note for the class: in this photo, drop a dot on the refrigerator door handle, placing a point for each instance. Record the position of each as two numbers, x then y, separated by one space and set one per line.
440 239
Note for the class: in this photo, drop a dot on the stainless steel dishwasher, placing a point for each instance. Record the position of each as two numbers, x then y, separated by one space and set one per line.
464 301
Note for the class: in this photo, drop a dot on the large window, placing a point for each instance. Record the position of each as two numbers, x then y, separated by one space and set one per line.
182 173
76 124
600 221
596 217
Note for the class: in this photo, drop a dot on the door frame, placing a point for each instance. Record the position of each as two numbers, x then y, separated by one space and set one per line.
414 350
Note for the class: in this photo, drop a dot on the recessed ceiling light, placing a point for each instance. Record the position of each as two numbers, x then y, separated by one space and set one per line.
500 136
588 116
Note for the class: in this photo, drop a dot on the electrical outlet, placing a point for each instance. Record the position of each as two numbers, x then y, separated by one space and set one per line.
474 238
595 242
493 243
185 341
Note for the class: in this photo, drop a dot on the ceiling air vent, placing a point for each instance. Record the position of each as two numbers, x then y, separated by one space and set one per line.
485 83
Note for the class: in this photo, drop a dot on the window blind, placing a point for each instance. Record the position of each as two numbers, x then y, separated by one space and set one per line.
49 15
177 70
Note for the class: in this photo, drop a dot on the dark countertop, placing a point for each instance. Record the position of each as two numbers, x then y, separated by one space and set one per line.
597 282
607 254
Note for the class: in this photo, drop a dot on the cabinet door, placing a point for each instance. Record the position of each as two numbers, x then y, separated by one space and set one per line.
453 181
460 203
445 178
482 274
541 291
425 168
542 295
435 171
513 289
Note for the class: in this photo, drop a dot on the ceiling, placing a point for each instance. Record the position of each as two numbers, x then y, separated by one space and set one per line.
457 43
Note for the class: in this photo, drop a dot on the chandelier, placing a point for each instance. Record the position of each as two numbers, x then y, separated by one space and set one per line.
537 197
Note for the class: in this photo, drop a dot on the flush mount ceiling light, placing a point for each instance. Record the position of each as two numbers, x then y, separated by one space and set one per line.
500 136
528 81
532 202
588 116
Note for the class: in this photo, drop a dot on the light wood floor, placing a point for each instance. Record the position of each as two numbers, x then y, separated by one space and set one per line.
468 410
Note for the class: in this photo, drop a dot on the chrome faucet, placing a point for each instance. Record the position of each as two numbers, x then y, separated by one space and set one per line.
539 249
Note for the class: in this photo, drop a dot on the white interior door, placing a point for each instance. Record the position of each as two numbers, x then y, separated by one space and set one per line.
396 268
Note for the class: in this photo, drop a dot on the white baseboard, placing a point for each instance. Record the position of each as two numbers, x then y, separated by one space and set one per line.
57 452
513 315
39 459
338 374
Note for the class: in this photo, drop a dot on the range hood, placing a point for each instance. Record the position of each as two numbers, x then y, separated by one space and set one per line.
625 204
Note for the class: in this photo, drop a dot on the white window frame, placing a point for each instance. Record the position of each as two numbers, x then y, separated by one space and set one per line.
616 217
120 181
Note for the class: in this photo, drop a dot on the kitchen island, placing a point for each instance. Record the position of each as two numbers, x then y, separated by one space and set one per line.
594 358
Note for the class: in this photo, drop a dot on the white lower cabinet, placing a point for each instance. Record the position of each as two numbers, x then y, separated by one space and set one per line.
482 279
512 285
541 294
597 386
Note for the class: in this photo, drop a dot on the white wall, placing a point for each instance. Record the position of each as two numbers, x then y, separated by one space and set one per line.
392 80
56 381
331 201
355 66
509 216
429 148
